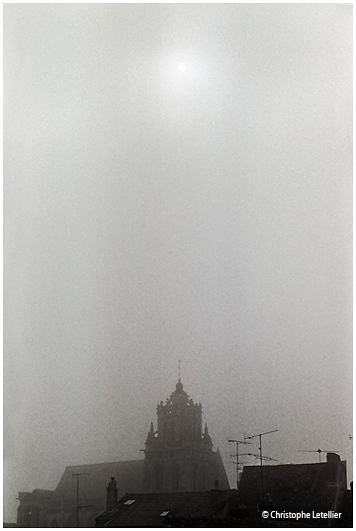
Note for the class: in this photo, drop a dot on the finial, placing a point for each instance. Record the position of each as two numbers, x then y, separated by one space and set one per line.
179 362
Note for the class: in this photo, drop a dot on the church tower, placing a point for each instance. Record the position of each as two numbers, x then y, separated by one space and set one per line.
179 456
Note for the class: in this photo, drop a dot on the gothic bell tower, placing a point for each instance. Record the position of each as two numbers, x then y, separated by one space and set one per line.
179 456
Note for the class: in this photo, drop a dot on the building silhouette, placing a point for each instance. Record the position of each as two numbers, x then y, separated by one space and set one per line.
299 495
179 457
169 509
308 487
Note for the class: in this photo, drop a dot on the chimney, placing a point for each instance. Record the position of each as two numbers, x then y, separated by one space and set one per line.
333 462
111 499
332 458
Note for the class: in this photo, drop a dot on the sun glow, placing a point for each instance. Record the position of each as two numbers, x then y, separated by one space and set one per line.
180 72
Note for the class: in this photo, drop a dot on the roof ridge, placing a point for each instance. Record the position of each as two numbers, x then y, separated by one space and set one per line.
286 464
104 463
233 491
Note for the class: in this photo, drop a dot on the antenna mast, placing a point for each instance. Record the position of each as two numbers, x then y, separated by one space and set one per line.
259 435
179 362
237 458
76 475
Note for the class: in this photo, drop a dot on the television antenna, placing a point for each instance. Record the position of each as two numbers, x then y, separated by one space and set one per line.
265 458
319 452
261 457
76 475
237 457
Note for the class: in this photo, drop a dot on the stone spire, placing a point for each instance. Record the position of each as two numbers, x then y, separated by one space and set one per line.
206 437
151 434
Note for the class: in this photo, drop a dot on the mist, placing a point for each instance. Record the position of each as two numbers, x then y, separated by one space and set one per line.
153 214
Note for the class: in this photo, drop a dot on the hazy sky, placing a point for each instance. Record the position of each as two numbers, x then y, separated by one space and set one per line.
154 212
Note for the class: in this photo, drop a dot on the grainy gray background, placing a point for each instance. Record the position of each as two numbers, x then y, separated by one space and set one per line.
153 214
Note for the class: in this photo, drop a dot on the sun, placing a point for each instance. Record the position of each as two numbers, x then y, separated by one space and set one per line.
182 67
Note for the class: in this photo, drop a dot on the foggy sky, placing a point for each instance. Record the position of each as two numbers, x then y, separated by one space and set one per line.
152 215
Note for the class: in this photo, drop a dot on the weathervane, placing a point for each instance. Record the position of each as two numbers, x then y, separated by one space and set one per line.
179 362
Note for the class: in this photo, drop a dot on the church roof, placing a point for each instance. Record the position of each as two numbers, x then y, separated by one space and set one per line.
94 479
